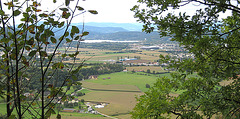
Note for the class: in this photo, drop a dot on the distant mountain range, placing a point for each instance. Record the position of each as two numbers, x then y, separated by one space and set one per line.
96 29
118 31
126 26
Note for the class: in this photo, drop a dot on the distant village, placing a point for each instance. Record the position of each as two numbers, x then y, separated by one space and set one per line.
164 47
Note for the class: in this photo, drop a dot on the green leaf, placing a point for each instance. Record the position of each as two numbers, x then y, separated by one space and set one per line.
75 29
43 53
64 9
20 25
5 40
67 15
28 9
54 1
67 2
93 11
2 13
53 40
85 33
61 24
16 13
32 53
68 40
80 8
66 34
30 41
77 38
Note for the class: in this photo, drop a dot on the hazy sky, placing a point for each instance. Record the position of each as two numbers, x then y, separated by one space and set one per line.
117 11
110 10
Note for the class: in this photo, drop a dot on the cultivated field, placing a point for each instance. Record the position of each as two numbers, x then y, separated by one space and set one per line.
100 56
145 68
119 90
138 79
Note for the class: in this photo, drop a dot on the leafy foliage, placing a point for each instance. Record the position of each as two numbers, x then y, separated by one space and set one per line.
27 45
215 44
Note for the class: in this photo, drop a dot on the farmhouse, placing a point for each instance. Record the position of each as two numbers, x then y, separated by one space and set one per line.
93 77
99 106
126 59
150 47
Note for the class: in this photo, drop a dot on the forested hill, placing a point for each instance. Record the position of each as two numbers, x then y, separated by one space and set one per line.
129 35
126 26
118 31
102 29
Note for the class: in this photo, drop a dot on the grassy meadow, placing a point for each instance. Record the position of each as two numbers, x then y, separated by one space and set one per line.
138 79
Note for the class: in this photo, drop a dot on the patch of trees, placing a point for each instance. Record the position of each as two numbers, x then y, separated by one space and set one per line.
59 76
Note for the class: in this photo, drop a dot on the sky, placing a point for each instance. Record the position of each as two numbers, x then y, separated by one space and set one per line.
117 11
111 10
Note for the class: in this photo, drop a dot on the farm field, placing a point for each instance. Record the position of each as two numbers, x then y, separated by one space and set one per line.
119 90
145 68
138 79
100 56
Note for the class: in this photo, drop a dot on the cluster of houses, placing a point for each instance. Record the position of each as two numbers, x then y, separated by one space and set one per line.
165 46
137 62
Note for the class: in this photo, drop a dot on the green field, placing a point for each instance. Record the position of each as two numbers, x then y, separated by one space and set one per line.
119 90
126 78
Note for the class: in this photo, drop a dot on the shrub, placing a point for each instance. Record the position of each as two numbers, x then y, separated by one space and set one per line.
147 86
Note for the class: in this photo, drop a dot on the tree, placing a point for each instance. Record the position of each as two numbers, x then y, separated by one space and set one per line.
147 86
215 45
26 44
148 71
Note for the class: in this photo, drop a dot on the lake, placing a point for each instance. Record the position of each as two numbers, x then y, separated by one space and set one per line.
112 41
